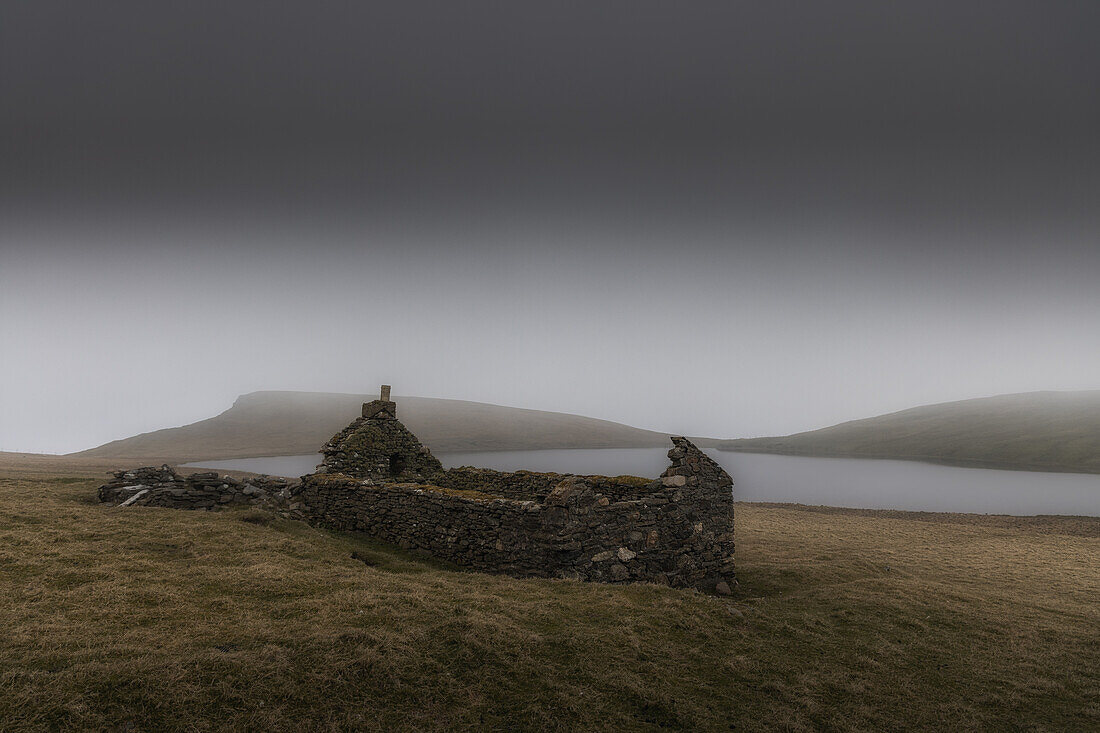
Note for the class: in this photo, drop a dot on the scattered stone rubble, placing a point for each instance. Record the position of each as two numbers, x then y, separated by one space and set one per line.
163 487
377 478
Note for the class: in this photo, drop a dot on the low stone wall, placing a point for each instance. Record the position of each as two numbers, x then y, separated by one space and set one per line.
470 528
163 487
676 530
623 488
520 485
535 486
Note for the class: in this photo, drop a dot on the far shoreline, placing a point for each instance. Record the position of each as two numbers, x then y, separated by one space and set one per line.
934 460
47 467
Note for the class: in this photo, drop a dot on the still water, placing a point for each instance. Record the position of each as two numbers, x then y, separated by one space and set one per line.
847 482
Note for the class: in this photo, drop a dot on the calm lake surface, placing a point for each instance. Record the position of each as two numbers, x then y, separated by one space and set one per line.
847 482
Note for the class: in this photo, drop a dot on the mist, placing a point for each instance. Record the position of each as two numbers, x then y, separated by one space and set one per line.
728 222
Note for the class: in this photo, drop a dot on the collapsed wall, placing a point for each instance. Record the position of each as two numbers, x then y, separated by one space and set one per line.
676 529
163 487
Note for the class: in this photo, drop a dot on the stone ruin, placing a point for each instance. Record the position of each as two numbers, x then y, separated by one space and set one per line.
677 529
378 479
163 487
377 446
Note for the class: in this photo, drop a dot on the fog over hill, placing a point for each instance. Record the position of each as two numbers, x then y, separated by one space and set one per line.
294 423
1037 431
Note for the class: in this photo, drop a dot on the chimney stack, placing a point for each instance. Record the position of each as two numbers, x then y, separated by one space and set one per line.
382 408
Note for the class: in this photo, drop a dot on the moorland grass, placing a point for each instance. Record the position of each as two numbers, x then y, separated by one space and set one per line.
156 619
1034 431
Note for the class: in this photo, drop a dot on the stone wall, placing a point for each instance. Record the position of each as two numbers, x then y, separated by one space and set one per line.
676 530
163 487
470 528
520 485
533 485
377 446
377 478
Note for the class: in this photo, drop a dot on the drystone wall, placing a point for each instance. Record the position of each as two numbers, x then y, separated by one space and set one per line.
520 485
163 487
677 529
469 528
377 478
532 485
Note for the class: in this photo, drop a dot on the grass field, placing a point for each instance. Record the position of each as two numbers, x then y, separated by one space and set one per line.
153 619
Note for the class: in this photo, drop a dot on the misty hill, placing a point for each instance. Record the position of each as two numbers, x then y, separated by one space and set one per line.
295 423
1035 431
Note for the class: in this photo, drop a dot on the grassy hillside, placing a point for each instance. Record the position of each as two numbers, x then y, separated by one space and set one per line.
154 619
295 423
1040 431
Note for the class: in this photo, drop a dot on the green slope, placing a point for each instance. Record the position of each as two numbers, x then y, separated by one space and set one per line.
294 423
1037 431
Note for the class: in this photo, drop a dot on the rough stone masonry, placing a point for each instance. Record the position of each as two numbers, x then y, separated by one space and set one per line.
377 478
163 487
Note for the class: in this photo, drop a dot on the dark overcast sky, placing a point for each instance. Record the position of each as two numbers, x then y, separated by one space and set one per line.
870 204
109 98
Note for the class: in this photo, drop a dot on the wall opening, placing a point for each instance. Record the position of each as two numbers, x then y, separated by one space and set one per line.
397 464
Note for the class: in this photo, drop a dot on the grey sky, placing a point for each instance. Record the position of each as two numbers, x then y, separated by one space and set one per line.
716 219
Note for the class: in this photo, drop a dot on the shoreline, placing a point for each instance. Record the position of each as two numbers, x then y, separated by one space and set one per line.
43 466
1061 524
933 460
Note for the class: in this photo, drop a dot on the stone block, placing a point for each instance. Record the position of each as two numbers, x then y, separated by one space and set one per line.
625 555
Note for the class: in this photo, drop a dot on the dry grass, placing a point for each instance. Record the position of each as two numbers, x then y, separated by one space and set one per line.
1034 431
154 619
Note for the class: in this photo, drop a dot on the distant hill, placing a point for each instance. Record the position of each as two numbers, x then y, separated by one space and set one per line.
294 423
1035 431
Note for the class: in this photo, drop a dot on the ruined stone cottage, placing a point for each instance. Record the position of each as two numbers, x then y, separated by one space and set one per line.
377 478
378 447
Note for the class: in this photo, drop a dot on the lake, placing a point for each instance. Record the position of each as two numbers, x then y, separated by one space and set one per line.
846 482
